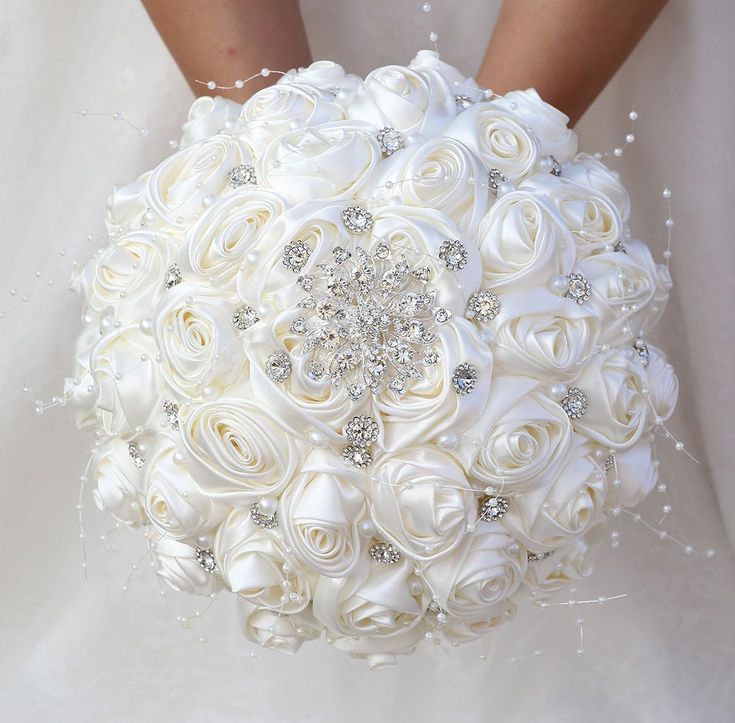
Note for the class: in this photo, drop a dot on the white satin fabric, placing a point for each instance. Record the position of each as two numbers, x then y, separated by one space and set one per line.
82 652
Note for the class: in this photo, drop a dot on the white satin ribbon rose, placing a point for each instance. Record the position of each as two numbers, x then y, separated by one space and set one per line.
326 75
269 629
429 63
240 448
207 117
637 471
176 564
465 630
586 170
126 206
662 382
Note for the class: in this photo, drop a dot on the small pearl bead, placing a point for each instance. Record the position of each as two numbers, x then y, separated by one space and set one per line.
633 115
558 390
267 505
367 528
630 138
505 188
666 193
211 85
679 446
617 152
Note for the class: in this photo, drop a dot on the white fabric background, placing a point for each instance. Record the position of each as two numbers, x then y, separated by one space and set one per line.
79 652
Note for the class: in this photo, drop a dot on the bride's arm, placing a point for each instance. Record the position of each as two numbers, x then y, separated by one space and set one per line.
567 49
230 39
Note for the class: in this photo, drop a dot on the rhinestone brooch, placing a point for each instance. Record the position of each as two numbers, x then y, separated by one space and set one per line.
362 430
267 522
453 254
483 305
609 462
463 101
244 317
390 141
135 455
278 366
555 167
205 559
357 219
384 553
574 403
579 288
171 412
536 556
295 255
642 349
464 379
173 276
241 175
493 508
495 178
357 455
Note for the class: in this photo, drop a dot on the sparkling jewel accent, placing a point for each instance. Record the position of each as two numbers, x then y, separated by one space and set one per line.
495 178
267 522
493 508
579 288
619 247
483 305
171 410
609 462
535 556
295 255
135 455
278 366
390 140
244 317
453 254
643 354
357 455
357 219
574 403
362 430
463 101
173 276
384 553
205 559
555 167
241 175
369 322
464 379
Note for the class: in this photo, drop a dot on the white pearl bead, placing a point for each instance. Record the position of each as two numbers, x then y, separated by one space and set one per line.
367 528
447 441
317 439
505 188
253 257
267 505
558 390
560 284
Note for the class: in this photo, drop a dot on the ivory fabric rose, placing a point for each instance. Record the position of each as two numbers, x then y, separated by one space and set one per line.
326 75
439 174
329 161
201 352
278 109
523 243
176 189
421 501
662 382
617 409
254 564
585 170
408 100
550 126
499 137
320 512
637 471
465 630
269 629
429 63
240 448
176 564
528 437
174 501
546 518
208 117
126 206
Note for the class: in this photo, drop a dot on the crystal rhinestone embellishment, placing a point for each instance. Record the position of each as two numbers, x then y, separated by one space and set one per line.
171 412
205 559
555 166
390 141
244 317
173 276
574 403
357 455
241 175
384 553
536 556
463 101
135 455
642 349
464 379
295 255
495 178
483 305
362 430
453 254
609 462
267 522
579 288
278 366
493 508
357 219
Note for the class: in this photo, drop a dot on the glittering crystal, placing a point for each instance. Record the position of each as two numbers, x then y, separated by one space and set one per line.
205 559
535 556
422 274
267 522
171 411
483 305
397 385
555 166
173 276
495 178
362 430
453 254
384 553
295 255
609 462
357 456
340 255
464 379
298 326
436 609
579 288
441 315
431 356
244 317
306 282
390 141
278 366
382 251
135 455
357 219
463 101
241 175
619 247
643 354
493 508
575 403
356 391
316 371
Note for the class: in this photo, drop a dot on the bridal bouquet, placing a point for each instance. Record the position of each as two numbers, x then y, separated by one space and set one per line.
370 355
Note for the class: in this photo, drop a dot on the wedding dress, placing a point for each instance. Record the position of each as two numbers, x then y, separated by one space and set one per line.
76 651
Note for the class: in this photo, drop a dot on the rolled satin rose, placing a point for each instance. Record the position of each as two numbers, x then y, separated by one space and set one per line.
285 632
208 117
